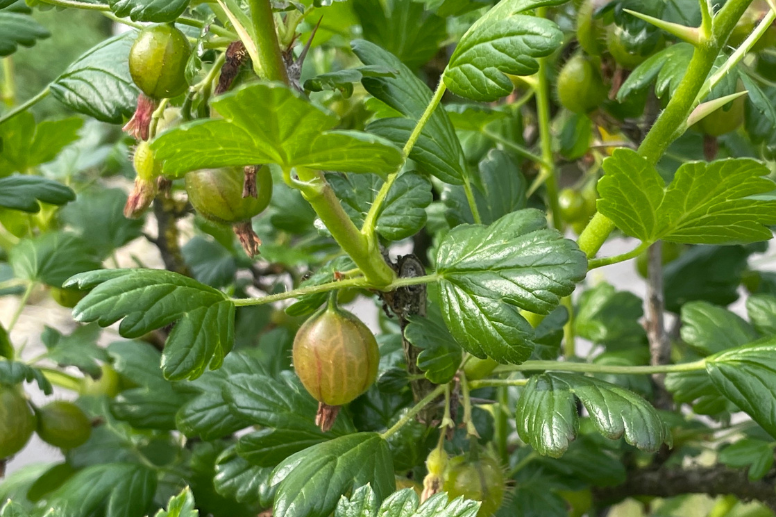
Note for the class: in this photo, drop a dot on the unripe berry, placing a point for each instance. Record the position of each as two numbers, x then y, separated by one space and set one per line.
336 357
157 61
17 421
480 480
63 424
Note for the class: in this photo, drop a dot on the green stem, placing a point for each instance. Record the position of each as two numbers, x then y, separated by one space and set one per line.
679 107
9 83
364 252
370 220
467 188
494 383
26 105
215 29
569 339
417 408
518 149
77 5
22 303
155 116
471 430
545 136
606 261
562 366
270 63
360 282
62 379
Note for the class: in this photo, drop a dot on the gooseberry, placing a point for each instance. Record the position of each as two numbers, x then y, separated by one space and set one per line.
63 424
17 421
580 86
335 356
217 194
157 61
481 480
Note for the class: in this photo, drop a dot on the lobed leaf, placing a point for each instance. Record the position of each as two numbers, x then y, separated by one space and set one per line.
311 481
710 329
181 505
238 479
747 377
403 212
25 193
547 413
270 123
158 11
19 30
403 503
13 373
486 273
503 41
150 299
52 258
706 203
27 145
437 151
441 355
98 83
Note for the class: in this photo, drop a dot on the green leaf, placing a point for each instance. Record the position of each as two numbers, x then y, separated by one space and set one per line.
403 212
487 272
667 66
98 216
13 373
610 318
210 262
437 151
154 402
756 455
78 349
208 415
25 193
268 447
343 80
238 479
758 99
19 29
403 503
270 123
575 136
710 273
501 189
403 28
98 83
762 313
281 404
117 489
507 40
549 334
441 356
706 203
27 145
747 377
710 329
697 389
158 11
547 413
181 505
150 299
52 258
311 482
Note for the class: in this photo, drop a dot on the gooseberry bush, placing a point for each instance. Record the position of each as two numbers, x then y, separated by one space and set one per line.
451 169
